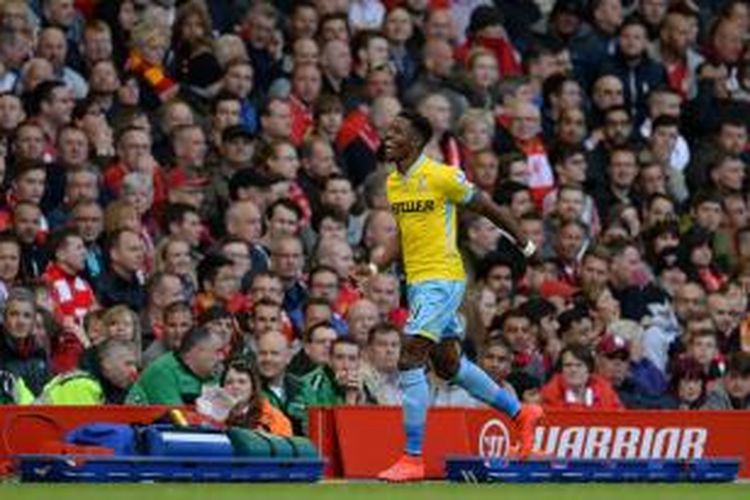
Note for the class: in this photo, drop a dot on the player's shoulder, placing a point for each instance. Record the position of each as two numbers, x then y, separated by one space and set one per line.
444 173
435 168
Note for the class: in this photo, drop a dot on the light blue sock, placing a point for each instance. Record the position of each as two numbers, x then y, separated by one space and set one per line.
482 387
416 399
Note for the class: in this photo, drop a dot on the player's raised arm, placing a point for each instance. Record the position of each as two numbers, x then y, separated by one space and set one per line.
482 204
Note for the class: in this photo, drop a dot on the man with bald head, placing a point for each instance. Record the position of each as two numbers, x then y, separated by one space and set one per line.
437 76
53 46
273 356
361 317
384 290
243 221
336 63
606 92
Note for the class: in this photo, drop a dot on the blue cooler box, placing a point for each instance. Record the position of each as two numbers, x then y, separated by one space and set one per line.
169 441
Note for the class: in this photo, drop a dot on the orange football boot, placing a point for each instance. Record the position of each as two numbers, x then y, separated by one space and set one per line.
407 468
526 421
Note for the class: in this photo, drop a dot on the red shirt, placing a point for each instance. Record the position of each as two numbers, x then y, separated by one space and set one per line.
677 78
357 125
115 173
302 119
72 296
508 58
348 295
298 196
541 179
599 395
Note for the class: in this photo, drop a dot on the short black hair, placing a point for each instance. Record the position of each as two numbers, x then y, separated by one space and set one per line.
284 203
419 124
560 153
665 121
505 192
346 341
382 328
209 267
42 93
538 308
221 97
175 213
59 238
706 196
495 259
739 364
308 334
568 318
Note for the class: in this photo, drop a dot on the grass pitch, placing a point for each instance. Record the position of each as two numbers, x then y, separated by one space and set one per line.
356 491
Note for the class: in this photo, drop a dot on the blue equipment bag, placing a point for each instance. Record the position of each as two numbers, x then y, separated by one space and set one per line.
119 437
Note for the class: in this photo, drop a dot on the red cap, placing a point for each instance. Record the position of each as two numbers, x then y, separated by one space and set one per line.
179 178
611 344
556 288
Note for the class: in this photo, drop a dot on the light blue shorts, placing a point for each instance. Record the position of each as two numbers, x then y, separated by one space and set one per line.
433 309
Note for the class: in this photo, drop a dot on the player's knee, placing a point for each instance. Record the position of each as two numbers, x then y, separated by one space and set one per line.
446 358
414 352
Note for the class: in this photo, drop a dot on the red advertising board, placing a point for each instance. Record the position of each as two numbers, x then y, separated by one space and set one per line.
363 441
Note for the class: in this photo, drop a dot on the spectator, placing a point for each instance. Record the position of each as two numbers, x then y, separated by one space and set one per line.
27 227
10 263
287 262
515 327
266 316
733 392
316 346
576 386
150 43
252 410
122 283
340 382
177 321
162 290
53 47
380 371
21 353
133 148
106 382
688 385
361 317
496 358
178 378
631 63
194 60
638 383
71 296
279 386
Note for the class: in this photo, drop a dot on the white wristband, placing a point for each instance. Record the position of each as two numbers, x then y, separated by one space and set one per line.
529 249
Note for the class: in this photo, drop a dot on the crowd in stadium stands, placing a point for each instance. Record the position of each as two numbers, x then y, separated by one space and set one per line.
192 196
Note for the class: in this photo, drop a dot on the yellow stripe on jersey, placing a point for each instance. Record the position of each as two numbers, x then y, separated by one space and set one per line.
424 202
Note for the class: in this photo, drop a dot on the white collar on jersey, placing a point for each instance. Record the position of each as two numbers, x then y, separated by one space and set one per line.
413 166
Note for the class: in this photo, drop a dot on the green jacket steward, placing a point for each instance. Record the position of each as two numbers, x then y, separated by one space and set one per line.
167 381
